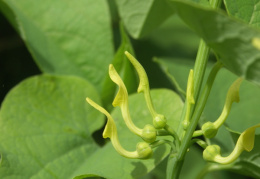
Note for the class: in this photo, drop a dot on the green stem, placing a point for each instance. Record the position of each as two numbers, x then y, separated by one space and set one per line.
195 118
174 134
200 142
160 142
200 67
172 160
175 163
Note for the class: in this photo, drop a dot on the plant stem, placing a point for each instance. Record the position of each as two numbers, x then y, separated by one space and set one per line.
175 163
195 118
200 67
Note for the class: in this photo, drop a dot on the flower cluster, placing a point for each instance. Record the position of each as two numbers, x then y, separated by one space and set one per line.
149 132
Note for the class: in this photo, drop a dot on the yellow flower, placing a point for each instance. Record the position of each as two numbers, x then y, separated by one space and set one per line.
210 129
159 120
121 100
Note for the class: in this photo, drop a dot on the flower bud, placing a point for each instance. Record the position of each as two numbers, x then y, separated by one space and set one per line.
144 150
159 121
209 130
211 152
149 133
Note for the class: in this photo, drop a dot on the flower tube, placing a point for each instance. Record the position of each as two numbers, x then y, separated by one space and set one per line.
159 120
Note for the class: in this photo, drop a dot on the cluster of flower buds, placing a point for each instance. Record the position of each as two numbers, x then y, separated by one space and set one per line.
149 132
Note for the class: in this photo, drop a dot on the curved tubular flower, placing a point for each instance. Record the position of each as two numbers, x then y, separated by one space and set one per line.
121 99
210 129
143 150
244 142
232 96
159 120
189 98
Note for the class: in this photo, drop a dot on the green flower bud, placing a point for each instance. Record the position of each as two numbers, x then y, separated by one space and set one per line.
209 130
159 121
144 150
185 124
211 152
149 133
190 100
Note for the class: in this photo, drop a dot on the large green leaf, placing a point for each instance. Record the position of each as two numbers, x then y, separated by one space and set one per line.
248 10
231 40
46 127
67 37
111 164
140 17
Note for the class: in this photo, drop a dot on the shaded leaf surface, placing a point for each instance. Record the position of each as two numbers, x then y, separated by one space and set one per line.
231 40
73 37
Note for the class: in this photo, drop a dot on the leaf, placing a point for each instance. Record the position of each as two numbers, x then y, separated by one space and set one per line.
141 17
46 127
112 164
247 11
8 14
67 37
223 35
